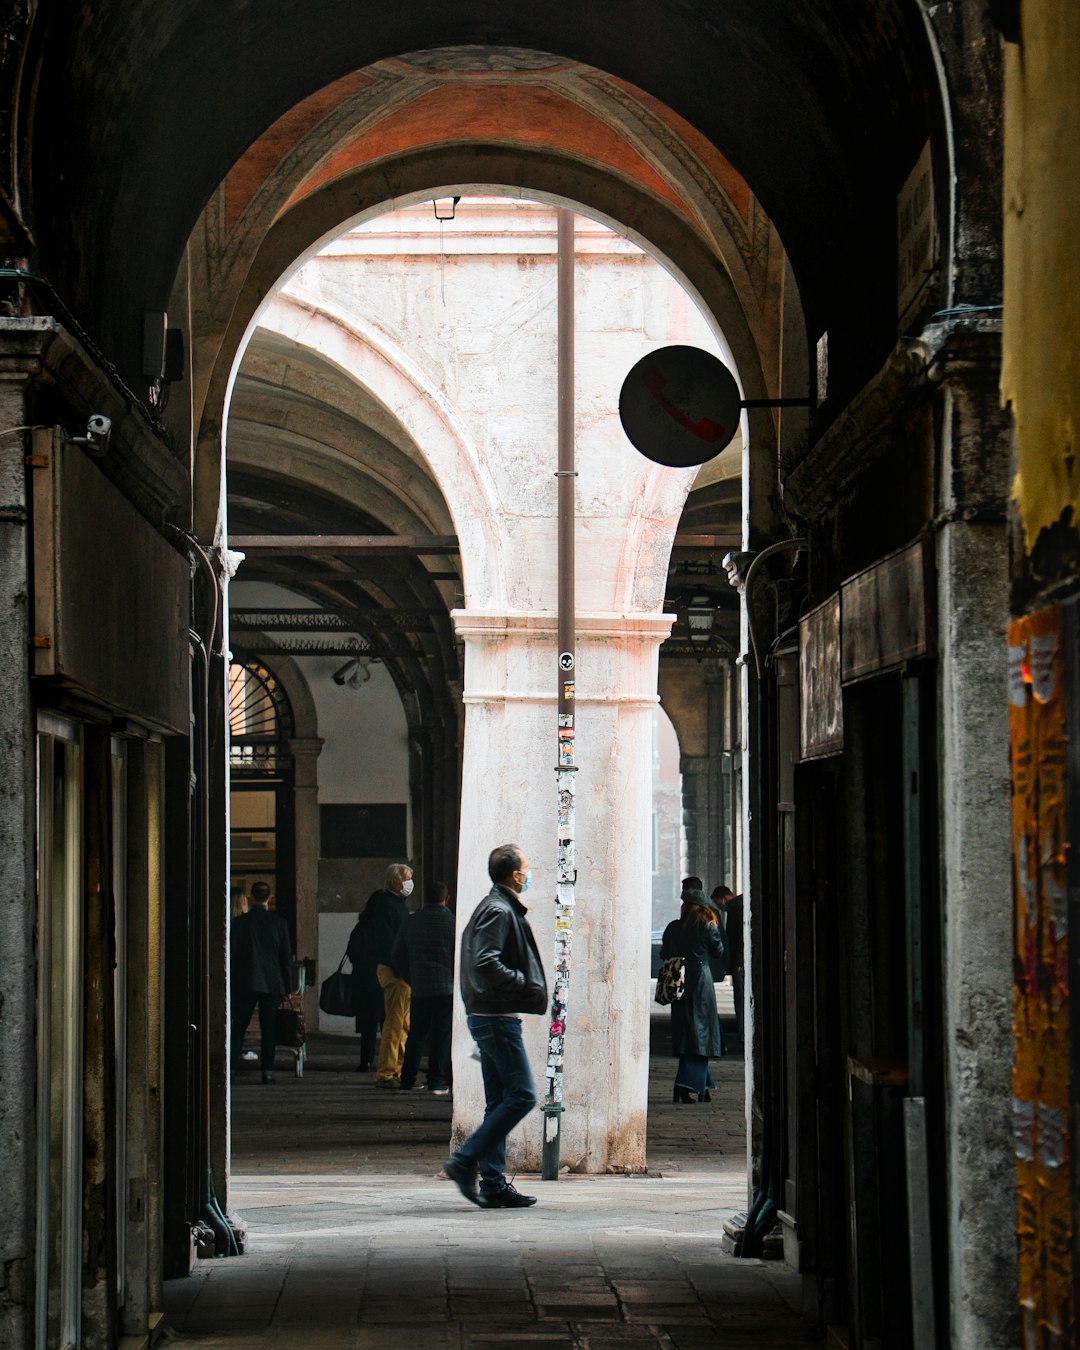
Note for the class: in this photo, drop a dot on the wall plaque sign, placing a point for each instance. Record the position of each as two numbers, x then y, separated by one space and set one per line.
821 708
884 614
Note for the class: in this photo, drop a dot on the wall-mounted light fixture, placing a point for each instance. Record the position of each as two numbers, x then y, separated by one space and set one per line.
445 207
700 614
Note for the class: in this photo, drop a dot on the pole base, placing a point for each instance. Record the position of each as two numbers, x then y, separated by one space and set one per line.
549 1157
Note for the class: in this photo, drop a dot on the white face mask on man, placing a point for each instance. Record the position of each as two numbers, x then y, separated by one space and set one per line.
406 887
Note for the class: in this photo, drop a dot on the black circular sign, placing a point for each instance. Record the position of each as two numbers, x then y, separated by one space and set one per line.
680 406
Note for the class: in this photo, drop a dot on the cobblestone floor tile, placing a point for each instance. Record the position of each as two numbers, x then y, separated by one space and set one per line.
654 1297
577 1311
666 1313
533 1338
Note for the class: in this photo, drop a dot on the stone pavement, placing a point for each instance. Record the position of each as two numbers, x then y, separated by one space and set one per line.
355 1242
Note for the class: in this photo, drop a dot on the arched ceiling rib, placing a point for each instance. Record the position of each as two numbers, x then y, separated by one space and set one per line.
305 458
285 391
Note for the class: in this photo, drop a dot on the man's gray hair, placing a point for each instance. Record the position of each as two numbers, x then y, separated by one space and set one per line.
395 873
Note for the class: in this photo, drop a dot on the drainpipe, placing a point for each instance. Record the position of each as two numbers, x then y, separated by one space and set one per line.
762 1215
566 768
211 1213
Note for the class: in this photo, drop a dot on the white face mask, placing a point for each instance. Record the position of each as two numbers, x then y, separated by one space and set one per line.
406 887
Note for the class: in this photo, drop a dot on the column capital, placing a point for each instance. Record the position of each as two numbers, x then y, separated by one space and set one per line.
305 753
303 747
22 346
473 623
510 657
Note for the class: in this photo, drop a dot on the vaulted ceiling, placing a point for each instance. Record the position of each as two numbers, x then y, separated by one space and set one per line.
134 116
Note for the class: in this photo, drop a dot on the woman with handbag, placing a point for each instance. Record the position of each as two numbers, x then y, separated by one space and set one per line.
697 937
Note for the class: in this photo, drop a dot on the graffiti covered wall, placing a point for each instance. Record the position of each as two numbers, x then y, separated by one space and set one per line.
1042 1049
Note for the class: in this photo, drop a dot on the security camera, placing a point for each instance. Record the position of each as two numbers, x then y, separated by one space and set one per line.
98 431
354 673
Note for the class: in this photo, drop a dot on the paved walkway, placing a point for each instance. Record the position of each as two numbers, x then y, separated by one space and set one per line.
355 1242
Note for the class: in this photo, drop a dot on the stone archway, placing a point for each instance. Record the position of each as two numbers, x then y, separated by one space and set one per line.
500 497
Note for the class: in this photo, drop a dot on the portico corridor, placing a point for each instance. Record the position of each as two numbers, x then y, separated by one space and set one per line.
353 1241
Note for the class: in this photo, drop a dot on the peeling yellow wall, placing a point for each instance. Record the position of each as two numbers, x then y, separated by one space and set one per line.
1041 357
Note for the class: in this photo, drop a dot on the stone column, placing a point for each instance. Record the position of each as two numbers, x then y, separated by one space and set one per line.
508 796
20 358
695 814
972 588
305 753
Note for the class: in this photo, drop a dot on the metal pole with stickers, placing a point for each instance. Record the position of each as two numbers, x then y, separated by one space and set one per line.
566 767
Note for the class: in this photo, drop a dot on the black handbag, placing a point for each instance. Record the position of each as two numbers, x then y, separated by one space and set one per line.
336 993
670 981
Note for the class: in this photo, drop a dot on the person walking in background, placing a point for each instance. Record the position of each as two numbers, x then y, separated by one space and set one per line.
501 977
369 1005
260 968
697 937
731 908
386 911
423 956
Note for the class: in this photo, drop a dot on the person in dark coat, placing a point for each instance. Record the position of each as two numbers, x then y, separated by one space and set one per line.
387 911
696 936
368 1003
423 956
731 908
260 967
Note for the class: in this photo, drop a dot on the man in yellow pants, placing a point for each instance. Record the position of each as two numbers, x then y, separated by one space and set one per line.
386 912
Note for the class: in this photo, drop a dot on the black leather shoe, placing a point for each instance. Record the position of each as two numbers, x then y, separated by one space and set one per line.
268 1077
682 1096
464 1178
507 1198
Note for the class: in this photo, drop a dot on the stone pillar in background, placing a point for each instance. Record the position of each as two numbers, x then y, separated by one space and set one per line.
695 814
697 697
508 796
305 753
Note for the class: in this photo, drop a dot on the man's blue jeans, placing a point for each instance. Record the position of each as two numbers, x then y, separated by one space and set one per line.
509 1093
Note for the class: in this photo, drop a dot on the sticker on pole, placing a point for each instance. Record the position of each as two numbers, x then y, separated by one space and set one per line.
680 406
566 660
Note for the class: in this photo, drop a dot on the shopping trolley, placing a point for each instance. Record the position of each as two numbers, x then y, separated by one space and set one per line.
289 1018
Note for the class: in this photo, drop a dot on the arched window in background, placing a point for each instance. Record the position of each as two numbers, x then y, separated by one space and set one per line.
261 842
260 719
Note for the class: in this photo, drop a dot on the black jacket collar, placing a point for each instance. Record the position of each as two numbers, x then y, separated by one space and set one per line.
513 897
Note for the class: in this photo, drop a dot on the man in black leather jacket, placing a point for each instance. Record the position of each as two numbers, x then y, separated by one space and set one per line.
501 976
